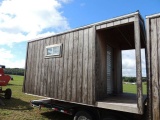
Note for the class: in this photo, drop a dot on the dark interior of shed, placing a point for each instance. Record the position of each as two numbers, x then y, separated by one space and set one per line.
111 42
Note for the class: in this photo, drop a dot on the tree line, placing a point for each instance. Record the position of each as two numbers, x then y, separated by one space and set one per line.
14 71
132 79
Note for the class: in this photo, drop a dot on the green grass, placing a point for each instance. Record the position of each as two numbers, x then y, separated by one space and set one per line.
18 107
129 88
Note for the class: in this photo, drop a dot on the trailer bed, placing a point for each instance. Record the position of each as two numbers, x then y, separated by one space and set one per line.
123 102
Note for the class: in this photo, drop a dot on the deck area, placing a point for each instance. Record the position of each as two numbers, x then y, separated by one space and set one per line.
122 102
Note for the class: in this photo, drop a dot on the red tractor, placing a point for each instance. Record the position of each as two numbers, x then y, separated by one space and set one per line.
4 79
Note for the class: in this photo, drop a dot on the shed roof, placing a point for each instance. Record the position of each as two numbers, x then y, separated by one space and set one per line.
94 24
153 16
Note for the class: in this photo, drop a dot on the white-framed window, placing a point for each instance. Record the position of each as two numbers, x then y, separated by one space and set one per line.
53 50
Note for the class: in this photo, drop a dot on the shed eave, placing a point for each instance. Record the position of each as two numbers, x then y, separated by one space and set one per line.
94 24
153 16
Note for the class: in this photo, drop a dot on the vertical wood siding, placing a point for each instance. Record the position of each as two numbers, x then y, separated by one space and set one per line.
69 77
153 39
80 68
75 66
85 67
155 70
138 64
101 68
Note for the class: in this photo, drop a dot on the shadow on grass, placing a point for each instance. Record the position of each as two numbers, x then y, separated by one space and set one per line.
56 116
9 84
15 104
13 85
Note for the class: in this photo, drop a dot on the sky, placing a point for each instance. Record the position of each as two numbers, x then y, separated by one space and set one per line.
23 20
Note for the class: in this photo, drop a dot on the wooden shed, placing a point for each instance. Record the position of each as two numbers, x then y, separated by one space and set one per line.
84 65
153 50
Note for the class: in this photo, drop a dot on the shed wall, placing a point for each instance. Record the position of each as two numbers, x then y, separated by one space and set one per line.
153 49
80 74
70 77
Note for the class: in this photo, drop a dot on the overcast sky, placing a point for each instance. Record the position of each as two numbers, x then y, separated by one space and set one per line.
23 20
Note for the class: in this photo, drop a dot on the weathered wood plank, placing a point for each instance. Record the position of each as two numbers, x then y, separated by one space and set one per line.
36 57
38 68
131 19
148 66
49 71
45 77
98 67
93 64
31 70
53 63
28 68
110 24
158 39
103 67
56 72
154 63
85 68
124 21
138 64
122 102
42 67
98 27
65 66
103 26
101 83
80 68
90 67
60 40
61 72
117 22
75 67
34 67
70 69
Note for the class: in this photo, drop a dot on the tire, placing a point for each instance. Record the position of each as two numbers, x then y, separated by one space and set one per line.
82 115
8 93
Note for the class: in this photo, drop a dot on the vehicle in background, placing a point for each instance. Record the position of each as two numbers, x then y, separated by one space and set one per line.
4 80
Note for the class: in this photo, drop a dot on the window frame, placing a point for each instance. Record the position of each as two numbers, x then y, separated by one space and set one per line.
53 55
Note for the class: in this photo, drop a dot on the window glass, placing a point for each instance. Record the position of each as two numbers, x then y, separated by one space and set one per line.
49 51
56 50
53 50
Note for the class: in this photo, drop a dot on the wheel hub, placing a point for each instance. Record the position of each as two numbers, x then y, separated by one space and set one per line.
82 118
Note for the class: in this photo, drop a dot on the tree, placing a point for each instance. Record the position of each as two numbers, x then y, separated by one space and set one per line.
14 71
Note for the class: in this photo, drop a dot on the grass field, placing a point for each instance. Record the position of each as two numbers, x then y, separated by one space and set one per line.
129 88
18 107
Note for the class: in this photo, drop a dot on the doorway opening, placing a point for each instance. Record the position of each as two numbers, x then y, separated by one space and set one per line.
119 56
116 56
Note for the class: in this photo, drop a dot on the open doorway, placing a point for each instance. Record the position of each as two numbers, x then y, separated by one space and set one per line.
117 57
114 41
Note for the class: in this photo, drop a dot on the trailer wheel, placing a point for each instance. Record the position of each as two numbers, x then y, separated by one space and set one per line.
8 93
82 115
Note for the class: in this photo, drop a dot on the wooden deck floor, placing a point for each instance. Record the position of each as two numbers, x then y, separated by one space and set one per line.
122 102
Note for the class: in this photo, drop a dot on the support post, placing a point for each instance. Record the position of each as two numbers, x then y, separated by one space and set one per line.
148 65
138 64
